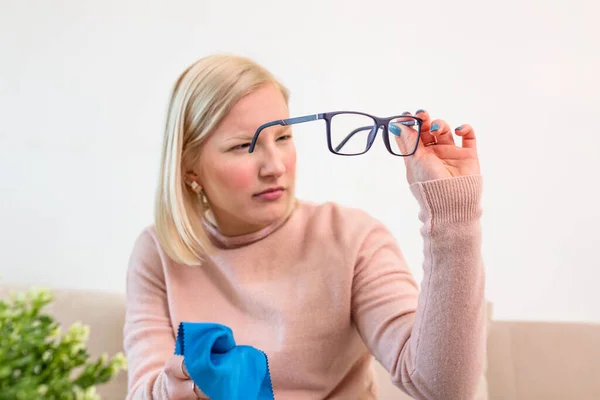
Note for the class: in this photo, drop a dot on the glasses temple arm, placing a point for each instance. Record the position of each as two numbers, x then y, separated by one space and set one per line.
349 136
283 122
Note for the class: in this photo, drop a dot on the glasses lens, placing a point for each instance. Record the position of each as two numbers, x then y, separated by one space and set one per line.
404 135
352 134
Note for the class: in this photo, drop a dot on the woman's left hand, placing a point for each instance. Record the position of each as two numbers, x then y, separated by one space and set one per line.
444 159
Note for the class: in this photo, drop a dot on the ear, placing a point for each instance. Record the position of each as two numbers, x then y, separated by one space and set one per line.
191 179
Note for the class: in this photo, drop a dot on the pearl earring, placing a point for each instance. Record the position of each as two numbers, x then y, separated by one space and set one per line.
195 187
199 191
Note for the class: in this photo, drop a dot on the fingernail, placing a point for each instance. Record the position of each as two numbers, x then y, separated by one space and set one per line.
405 113
420 111
459 128
395 130
434 127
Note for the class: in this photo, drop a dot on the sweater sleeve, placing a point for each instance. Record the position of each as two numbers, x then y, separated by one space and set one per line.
432 342
149 342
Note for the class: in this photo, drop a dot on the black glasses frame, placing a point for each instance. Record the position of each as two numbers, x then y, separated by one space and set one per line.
378 123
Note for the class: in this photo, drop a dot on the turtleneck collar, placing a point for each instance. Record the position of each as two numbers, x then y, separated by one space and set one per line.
230 242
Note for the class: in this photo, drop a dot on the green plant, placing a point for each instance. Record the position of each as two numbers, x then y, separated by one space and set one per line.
38 362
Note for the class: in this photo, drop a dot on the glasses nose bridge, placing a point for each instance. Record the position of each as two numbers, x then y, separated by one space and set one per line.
377 124
373 134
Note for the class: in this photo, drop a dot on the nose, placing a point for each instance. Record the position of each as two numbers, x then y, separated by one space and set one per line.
272 164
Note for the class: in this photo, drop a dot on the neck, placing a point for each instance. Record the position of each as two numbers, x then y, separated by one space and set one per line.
225 239
230 226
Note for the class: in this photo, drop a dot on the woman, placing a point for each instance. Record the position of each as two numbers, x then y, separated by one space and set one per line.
321 289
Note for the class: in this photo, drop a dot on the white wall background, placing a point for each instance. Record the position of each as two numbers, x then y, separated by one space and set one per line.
84 86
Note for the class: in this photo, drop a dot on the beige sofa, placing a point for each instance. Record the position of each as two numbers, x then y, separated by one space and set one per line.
526 360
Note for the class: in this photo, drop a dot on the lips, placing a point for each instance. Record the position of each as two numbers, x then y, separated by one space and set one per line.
270 190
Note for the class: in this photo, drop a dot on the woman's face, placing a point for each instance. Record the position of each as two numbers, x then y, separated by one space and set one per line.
248 191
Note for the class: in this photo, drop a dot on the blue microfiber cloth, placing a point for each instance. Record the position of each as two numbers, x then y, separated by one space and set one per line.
220 368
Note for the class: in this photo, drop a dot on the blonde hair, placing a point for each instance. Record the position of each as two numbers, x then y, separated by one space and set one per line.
201 97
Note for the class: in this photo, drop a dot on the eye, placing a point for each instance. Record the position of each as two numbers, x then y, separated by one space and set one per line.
240 146
284 137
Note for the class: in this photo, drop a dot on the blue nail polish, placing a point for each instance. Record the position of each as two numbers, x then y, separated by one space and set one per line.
459 128
405 113
434 127
394 129
420 111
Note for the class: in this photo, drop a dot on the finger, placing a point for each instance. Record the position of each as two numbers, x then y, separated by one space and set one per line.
175 368
467 133
424 115
406 120
442 132
404 129
426 136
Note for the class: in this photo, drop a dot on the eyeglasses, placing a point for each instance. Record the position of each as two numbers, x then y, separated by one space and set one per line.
351 133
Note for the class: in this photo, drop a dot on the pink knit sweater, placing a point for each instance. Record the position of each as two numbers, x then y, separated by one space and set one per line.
321 293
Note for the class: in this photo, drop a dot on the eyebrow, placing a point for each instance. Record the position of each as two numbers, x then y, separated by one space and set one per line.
249 137
240 137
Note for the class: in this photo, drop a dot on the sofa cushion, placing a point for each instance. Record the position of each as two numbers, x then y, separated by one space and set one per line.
544 360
